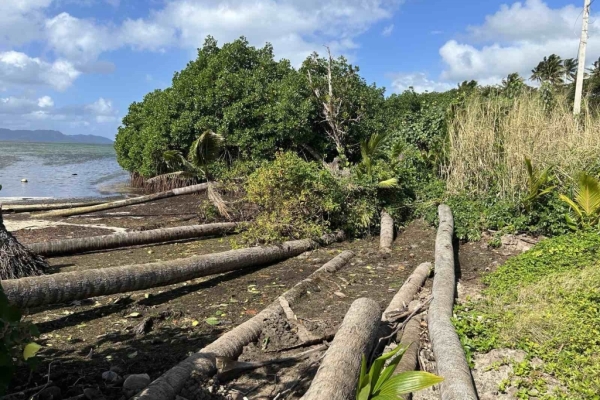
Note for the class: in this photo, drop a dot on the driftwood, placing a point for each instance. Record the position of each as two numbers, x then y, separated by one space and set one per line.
337 376
407 292
386 237
449 354
105 242
229 345
69 286
21 208
123 203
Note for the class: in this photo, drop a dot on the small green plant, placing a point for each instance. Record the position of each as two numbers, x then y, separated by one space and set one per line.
538 184
585 206
16 346
379 383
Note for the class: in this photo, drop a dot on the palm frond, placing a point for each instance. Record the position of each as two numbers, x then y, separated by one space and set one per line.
397 149
388 184
587 194
216 199
205 149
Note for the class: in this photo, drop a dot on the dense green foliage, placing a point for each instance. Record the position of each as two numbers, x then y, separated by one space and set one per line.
544 302
258 104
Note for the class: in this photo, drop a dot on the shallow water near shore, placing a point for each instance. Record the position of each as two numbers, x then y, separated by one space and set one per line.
59 170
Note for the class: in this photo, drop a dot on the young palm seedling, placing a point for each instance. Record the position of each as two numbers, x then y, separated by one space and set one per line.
380 383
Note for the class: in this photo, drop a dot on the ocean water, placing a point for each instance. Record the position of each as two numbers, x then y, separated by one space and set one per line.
59 170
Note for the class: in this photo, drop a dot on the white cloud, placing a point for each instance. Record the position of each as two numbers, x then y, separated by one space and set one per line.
387 31
19 69
515 39
294 28
419 82
28 113
21 21
45 101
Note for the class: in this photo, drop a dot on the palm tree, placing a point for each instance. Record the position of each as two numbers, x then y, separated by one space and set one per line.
78 285
550 69
105 242
570 69
595 70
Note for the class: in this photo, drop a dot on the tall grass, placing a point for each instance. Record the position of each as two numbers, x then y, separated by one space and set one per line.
490 137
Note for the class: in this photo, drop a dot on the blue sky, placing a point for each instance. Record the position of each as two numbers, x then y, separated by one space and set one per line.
76 65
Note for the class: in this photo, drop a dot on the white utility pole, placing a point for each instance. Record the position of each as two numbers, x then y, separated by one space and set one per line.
581 59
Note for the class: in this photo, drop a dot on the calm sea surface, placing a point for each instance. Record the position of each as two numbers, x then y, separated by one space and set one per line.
50 169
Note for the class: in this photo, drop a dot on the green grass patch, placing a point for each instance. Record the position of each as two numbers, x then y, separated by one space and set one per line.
547 303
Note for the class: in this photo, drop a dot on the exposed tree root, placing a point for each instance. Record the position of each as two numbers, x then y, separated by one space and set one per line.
16 260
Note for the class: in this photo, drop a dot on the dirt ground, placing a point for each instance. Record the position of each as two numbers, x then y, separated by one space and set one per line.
85 339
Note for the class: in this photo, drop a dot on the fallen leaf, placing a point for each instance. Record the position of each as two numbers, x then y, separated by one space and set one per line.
251 312
31 350
340 294
212 321
132 355
133 315
195 323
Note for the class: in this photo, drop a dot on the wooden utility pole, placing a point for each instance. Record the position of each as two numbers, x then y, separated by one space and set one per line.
581 59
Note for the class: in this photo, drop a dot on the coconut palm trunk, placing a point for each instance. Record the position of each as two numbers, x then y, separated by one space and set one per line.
69 286
105 242
21 208
449 354
127 202
16 260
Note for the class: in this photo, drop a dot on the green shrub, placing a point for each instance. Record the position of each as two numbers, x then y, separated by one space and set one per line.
297 198
545 302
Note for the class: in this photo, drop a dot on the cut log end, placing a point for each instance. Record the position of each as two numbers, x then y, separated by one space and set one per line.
386 237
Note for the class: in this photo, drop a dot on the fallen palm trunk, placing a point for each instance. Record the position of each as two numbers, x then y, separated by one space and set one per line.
105 242
337 376
69 286
16 260
449 354
386 236
231 344
409 339
407 292
127 202
19 208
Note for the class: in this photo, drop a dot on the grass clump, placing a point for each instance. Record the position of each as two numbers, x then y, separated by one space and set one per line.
545 302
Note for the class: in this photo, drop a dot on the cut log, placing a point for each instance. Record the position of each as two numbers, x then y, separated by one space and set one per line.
127 202
20 208
410 338
105 242
69 286
447 350
386 236
408 291
230 345
337 376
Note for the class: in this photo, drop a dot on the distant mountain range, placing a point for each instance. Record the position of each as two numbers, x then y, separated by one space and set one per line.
43 136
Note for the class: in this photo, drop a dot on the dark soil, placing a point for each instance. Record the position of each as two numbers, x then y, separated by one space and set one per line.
84 339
